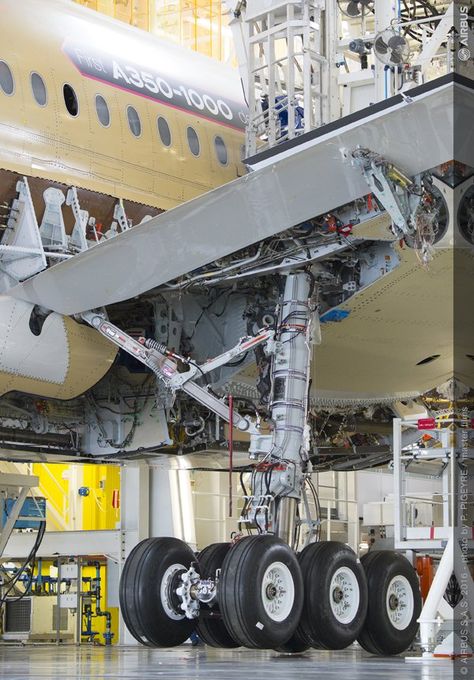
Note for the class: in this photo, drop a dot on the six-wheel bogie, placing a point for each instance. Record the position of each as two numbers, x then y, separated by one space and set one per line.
258 593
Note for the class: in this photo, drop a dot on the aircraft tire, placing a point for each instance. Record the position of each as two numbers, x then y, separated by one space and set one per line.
394 603
213 631
148 604
261 592
368 646
336 597
295 645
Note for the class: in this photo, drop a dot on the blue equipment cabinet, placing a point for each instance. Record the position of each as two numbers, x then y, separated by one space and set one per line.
32 512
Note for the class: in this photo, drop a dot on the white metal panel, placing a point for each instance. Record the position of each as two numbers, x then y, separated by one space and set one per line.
463 129
294 187
68 600
42 357
65 543
13 480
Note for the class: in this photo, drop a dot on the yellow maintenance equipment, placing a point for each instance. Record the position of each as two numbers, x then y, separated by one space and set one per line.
80 497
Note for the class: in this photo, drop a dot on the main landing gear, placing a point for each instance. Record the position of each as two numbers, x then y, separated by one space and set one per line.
258 592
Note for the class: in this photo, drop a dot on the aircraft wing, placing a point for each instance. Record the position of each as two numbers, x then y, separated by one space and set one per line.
288 185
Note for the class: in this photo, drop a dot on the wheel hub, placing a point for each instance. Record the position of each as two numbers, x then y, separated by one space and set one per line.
399 602
278 591
344 595
271 591
169 583
173 586
187 592
393 602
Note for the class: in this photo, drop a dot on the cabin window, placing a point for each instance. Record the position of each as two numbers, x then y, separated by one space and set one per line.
164 131
102 109
134 121
193 141
6 78
221 150
70 100
39 89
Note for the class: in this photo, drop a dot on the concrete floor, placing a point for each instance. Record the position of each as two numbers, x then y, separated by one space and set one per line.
48 662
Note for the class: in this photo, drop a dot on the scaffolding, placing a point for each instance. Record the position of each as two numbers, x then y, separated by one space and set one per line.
285 75
446 455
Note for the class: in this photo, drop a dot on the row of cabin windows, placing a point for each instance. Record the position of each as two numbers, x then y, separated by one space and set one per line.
71 102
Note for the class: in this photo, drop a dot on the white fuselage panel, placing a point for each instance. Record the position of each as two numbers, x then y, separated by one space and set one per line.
22 353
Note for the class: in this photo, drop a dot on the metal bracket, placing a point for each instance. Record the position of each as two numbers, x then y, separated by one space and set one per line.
121 216
52 229
78 239
21 250
393 189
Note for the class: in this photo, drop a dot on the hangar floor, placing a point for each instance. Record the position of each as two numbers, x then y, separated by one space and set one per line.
131 663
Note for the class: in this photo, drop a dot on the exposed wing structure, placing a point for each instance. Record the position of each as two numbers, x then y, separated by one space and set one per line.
293 183
376 354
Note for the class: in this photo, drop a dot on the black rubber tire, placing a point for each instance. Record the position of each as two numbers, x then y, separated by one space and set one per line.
240 595
295 645
368 645
124 577
213 631
140 597
379 636
319 625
